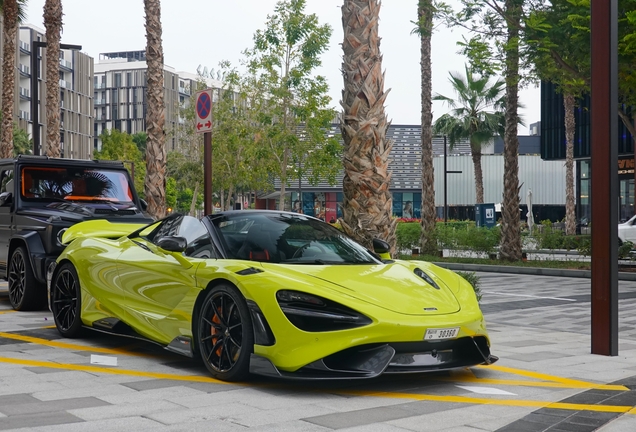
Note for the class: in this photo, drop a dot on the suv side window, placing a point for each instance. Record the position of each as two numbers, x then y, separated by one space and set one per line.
6 182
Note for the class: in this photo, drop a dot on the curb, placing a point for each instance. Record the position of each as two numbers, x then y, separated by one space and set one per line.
626 276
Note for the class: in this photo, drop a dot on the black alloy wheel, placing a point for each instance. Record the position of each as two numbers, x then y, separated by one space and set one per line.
224 334
25 292
66 301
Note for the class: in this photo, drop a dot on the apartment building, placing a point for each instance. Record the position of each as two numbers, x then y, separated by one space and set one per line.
120 83
76 93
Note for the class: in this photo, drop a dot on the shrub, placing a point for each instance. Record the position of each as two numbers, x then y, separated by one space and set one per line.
474 280
549 237
408 235
625 249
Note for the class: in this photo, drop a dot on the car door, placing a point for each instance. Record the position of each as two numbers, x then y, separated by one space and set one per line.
6 214
160 286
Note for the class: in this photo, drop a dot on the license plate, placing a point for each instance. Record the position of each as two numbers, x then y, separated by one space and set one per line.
439 334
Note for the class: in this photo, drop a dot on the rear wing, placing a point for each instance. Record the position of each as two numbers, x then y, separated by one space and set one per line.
100 228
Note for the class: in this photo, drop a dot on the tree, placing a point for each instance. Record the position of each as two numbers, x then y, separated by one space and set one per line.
425 14
367 202
12 15
22 144
496 44
559 53
119 146
53 24
140 139
155 182
471 117
287 98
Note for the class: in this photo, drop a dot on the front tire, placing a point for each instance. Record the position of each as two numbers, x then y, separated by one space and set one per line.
224 335
25 292
66 301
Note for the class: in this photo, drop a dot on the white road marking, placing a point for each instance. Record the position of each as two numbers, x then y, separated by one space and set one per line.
486 390
531 296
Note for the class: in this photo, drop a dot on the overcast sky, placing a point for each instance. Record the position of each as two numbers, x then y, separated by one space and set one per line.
205 32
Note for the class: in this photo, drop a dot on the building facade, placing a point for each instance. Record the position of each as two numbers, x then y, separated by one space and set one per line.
546 179
76 93
120 83
553 148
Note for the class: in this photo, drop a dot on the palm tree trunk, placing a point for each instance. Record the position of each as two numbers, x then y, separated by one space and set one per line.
570 124
367 201
429 216
53 24
10 29
510 229
155 184
475 151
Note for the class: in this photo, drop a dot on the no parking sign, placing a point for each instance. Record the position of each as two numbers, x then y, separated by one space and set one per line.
203 111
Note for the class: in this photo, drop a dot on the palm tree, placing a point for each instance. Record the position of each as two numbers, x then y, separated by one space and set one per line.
367 201
53 25
472 117
12 15
425 28
155 184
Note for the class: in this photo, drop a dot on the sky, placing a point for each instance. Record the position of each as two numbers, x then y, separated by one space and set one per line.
206 32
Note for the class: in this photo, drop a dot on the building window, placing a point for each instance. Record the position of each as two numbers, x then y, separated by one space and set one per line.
117 80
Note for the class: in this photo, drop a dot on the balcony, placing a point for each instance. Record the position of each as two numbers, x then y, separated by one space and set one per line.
184 90
66 84
100 86
25 47
66 64
25 115
25 93
99 101
24 70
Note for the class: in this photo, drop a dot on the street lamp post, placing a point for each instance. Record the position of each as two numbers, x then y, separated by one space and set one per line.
35 72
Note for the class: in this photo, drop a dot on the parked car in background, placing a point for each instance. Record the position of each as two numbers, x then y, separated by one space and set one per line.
40 198
627 231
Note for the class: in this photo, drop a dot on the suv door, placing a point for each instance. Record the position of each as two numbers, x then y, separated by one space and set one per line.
7 199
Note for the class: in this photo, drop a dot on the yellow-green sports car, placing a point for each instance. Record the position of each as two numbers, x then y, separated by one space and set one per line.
267 292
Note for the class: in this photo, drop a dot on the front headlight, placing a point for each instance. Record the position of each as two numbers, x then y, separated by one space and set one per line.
311 313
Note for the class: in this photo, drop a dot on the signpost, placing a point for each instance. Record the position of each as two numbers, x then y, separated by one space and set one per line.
203 124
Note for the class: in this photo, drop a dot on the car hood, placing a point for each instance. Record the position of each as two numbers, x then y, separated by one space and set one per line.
391 286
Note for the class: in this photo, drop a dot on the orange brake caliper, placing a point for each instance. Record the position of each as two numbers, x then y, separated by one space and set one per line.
216 320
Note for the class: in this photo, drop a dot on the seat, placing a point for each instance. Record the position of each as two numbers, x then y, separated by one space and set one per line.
258 246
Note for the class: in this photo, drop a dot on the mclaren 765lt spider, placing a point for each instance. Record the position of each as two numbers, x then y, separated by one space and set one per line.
266 292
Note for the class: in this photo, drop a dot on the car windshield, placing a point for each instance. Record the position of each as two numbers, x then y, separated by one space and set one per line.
288 239
75 184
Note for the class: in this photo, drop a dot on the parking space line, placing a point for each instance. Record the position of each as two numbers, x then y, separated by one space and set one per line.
114 371
65 345
572 383
390 395
6 311
527 383
504 402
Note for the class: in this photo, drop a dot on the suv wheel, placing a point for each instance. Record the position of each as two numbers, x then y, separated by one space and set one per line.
25 292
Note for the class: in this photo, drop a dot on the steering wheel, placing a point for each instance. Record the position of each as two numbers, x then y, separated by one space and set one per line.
299 251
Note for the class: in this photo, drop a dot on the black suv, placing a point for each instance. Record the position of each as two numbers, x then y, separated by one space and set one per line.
40 198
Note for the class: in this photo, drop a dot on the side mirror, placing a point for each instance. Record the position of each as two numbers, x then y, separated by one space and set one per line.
382 248
172 243
143 204
6 198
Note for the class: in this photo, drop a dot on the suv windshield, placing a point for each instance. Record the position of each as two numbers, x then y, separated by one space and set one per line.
72 183
288 239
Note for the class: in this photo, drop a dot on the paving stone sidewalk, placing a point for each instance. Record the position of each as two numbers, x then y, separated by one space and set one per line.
539 326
